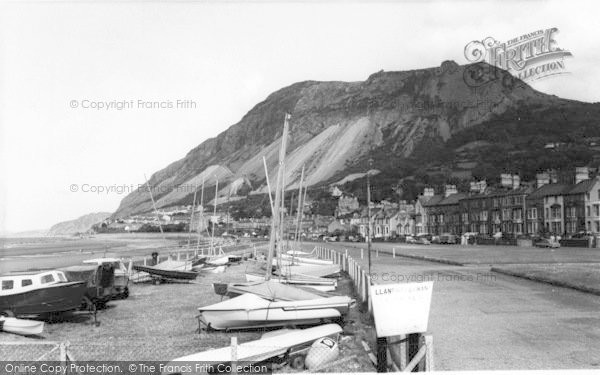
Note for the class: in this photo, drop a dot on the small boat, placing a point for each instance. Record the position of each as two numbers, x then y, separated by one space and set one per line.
270 290
285 343
161 271
121 277
314 270
39 293
24 327
318 283
252 311
300 253
304 260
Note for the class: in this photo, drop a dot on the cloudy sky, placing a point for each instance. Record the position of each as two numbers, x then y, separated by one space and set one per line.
60 58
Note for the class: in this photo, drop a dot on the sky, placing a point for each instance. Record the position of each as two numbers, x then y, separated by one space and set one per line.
60 61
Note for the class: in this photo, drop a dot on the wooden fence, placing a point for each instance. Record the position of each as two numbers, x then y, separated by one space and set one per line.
405 353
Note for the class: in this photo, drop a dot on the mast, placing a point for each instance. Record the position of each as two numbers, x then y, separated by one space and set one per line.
268 184
154 205
299 212
275 221
192 219
201 216
212 235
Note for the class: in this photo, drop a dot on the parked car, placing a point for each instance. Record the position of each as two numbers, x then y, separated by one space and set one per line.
411 240
449 239
546 243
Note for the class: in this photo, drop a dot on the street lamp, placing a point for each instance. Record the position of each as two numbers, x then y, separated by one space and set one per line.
369 217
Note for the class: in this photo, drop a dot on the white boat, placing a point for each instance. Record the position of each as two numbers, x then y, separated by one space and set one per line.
304 260
251 311
268 289
318 283
300 253
258 350
24 327
313 270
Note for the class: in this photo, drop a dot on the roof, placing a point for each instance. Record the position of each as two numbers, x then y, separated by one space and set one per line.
433 200
583 187
452 199
549 189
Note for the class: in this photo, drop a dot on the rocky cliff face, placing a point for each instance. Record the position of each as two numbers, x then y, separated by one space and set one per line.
335 125
80 225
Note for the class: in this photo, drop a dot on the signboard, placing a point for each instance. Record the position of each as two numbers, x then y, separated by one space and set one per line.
401 309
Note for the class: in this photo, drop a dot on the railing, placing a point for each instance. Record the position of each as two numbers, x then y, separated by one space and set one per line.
400 353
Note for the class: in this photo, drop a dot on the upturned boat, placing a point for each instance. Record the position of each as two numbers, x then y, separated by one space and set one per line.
23 327
39 293
279 344
252 311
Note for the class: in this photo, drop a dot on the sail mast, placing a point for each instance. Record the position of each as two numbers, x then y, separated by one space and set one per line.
275 222
298 217
154 205
201 216
212 235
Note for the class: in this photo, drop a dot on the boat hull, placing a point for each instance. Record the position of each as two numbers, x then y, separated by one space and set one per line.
24 327
167 274
320 284
241 319
54 298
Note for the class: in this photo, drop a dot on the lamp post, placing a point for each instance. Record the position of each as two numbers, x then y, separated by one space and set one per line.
369 218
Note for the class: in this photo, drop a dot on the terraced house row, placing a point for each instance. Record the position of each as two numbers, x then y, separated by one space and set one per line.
544 207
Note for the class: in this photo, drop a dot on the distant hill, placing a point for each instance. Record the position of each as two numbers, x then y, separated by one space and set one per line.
79 225
410 123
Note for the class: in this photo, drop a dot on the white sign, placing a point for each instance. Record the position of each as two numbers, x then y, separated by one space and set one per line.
401 309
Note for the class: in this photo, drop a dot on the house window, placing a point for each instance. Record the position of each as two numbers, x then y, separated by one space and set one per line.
518 228
387 230
517 214
7 284
557 227
596 226
26 282
596 210
587 211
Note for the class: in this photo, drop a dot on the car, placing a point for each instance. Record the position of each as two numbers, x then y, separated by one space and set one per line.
423 241
546 243
411 240
449 239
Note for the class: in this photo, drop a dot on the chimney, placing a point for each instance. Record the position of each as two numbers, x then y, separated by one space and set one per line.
553 176
482 186
506 180
516 181
428 192
449 190
581 174
542 179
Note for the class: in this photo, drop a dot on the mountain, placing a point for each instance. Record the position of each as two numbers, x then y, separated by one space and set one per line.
80 225
403 121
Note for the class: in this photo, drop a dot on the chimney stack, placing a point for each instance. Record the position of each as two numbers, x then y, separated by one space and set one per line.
542 179
449 190
581 174
506 180
516 181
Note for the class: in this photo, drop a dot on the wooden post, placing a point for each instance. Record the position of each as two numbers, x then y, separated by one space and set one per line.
234 355
178 255
377 253
63 354
362 253
382 359
364 286
429 364
145 261
393 252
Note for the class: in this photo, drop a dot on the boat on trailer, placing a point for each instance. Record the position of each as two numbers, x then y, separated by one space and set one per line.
39 293
281 344
169 270
252 311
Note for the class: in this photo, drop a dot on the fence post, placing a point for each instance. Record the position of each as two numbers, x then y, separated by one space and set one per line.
362 253
377 253
234 355
364 286
63 354
393 252
429 364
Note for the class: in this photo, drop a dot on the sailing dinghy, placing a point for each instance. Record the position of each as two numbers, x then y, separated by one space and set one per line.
318 283
268 289
258 350
252 311
24 327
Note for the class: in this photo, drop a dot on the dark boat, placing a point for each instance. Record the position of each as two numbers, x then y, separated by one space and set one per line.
166 273
99 279
39 294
